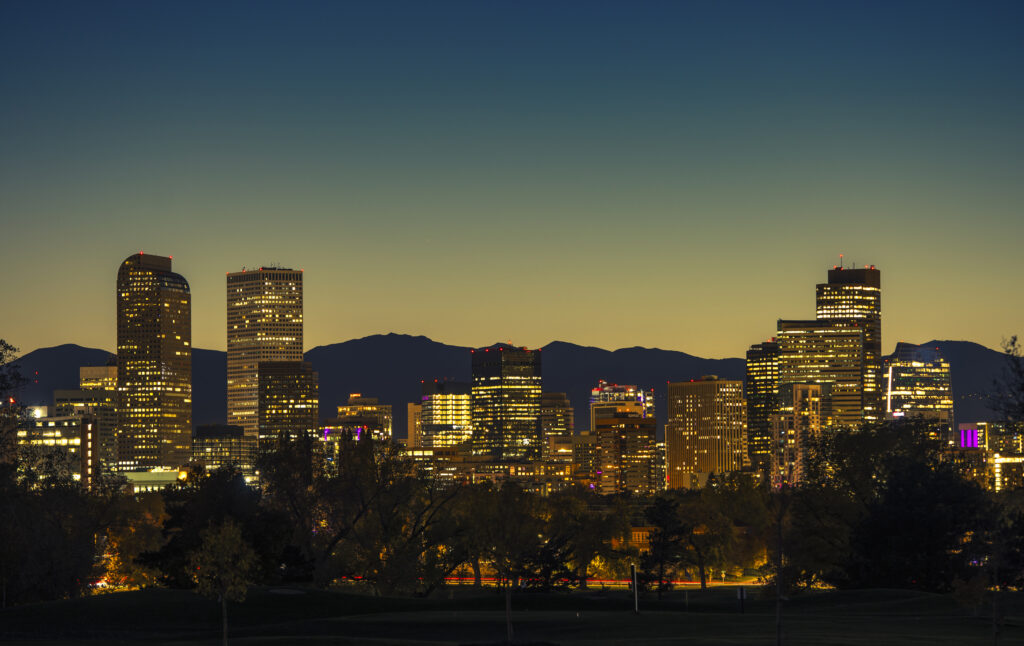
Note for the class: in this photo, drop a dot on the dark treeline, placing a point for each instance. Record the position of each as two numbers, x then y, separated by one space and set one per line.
879 507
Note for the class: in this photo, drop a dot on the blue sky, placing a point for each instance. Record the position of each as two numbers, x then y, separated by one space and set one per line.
672 174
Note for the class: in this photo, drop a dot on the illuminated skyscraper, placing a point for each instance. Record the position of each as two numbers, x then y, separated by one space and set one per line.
796 423
154 365
557 421
289 403
918 385
264 319
762 396
505 403
705 431
828 352
857 294
626 450
444 414
606 392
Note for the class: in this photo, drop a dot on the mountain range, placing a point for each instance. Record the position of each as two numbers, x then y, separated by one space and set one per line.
392 366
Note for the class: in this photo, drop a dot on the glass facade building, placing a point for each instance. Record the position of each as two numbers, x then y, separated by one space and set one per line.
154 366
918 384
505 403
557 422
856 294
289 404
762 389
264 325
445 414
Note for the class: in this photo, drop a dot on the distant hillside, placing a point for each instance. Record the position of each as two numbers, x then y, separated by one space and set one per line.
974 370
48 369
391 366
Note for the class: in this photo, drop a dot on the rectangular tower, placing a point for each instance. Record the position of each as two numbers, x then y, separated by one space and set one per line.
830 353
154 366
857 294
762 400
444 415
626 448
289 403
557 421
705 431
264 324
505 403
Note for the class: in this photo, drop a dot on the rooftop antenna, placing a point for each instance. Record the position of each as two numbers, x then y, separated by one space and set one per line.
840 261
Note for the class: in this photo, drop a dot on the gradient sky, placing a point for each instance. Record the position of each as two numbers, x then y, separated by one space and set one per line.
663 174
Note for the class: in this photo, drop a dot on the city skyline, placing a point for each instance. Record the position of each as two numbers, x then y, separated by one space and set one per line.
429 162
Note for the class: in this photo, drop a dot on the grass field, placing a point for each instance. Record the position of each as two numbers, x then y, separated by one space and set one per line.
465 616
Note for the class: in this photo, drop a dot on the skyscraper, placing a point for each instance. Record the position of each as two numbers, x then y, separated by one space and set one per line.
557 421
505 403
828 352
857 294
918 384
606 392
705 430
444 414
762 395
289 403
264 324
796 423
625 447
154 365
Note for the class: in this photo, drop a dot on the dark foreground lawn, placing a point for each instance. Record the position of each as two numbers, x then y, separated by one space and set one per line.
464 616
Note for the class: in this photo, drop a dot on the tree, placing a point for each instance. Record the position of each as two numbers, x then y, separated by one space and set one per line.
1009 396
221 567
588 528
12 412
665 540
707 534
202 500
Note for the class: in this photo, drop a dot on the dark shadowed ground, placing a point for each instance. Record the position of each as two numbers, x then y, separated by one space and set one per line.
293 616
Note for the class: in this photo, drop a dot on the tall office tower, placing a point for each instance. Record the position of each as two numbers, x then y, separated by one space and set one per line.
557 421
857 294
625 447
96 396
918 384
762 400
706 430
445 413
264 324
829 352
413 425
606 392
796 423
366 416
288 403
505 403
154 366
